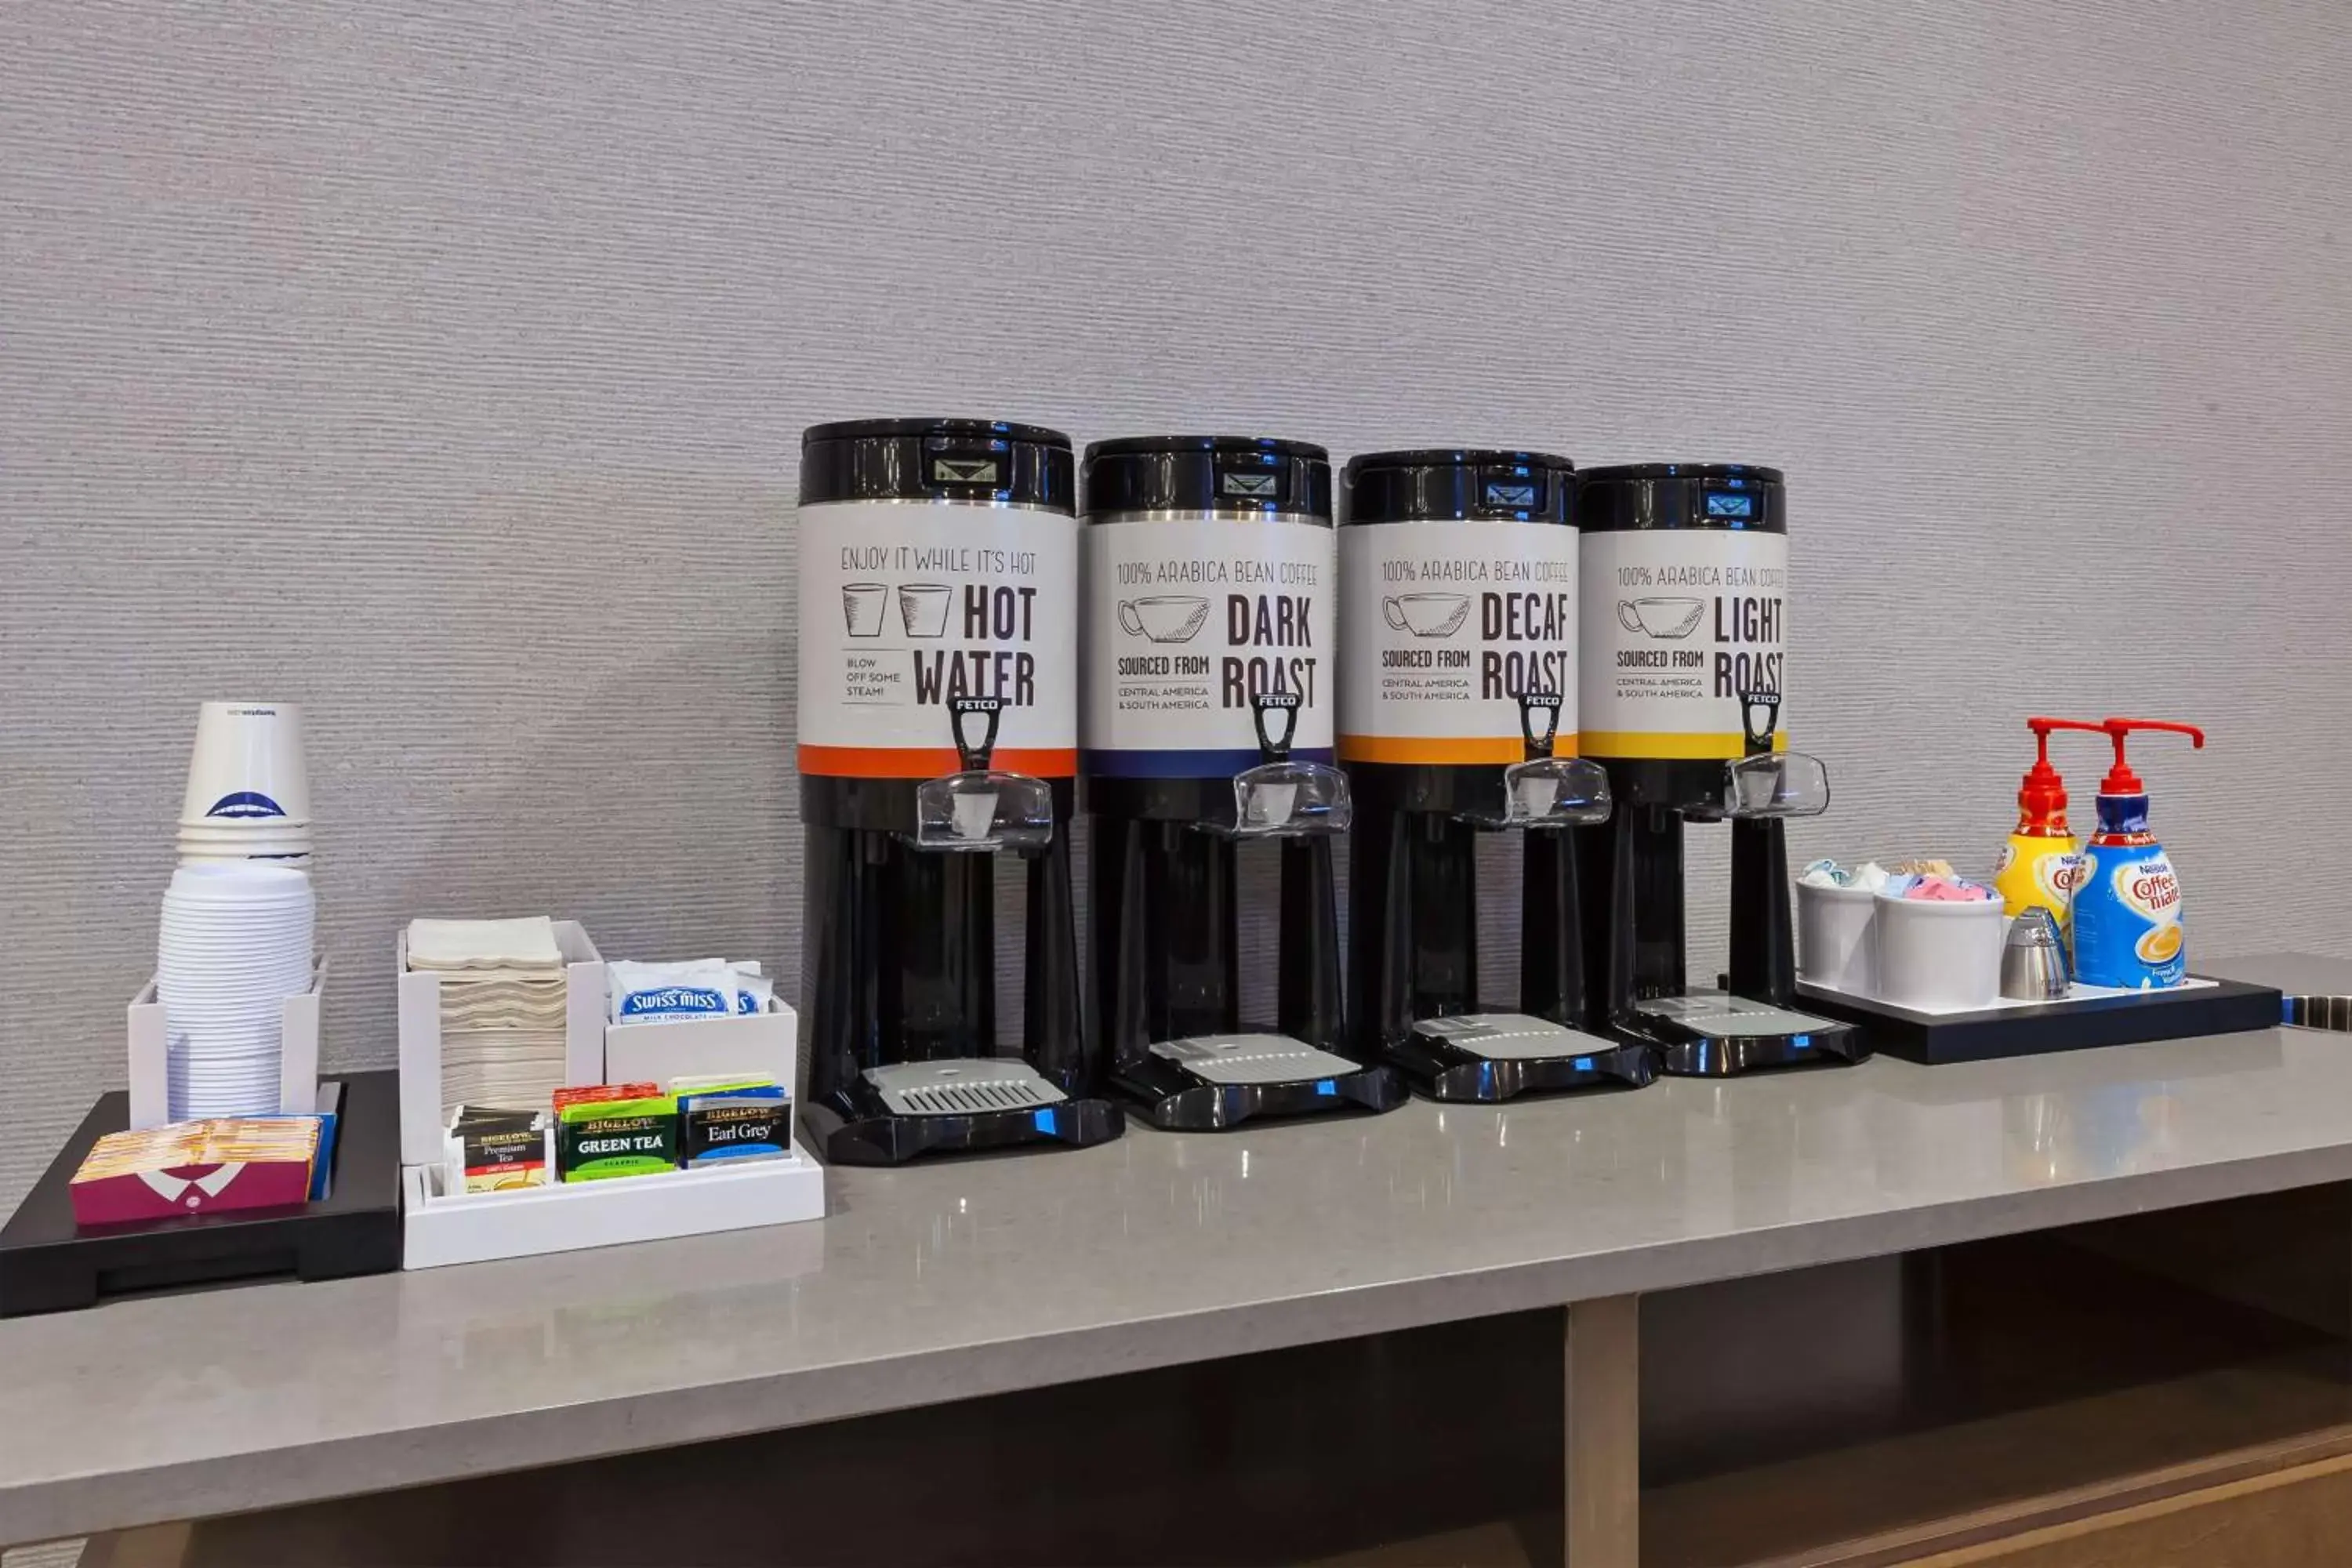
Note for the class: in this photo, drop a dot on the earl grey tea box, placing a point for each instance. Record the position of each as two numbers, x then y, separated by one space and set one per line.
730 1130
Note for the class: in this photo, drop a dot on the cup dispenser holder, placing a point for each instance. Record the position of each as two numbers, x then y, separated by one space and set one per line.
1282 798
980 808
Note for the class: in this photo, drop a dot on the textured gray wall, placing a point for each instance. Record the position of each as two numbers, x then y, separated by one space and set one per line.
441 367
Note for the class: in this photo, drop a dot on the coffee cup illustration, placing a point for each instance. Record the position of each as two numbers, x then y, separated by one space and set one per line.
1661 618
862 605
923 607
1426 614
1169 618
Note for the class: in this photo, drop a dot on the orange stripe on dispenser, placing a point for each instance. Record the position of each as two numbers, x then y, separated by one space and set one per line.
1416 750
929 763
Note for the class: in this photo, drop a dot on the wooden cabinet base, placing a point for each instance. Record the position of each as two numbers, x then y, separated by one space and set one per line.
2284 1519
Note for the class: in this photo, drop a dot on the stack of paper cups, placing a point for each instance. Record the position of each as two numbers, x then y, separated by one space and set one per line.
236 944
248 795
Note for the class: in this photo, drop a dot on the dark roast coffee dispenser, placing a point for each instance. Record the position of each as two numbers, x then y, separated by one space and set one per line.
1457 718
1205 733
938 632
1683 627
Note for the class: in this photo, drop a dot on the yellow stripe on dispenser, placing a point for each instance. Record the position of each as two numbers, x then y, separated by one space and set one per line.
1417 751
1628 743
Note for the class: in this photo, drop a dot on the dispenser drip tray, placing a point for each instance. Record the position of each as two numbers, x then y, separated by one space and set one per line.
1713 1034
1208 1082
959 1105
1252 1059
1720 1013
967 1088
1509 1036
1494 1057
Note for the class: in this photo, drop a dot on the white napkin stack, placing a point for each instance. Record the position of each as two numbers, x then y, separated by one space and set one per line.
502 1009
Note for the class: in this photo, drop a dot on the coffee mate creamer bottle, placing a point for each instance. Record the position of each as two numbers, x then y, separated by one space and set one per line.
2127 930
1684 614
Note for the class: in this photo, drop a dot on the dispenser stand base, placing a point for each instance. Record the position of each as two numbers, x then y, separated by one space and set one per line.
885 1139
1711 1034
1178 1099
1447 1072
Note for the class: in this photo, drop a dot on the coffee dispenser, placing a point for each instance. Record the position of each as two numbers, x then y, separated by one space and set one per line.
939 630
1458 718
1205 730
1685 596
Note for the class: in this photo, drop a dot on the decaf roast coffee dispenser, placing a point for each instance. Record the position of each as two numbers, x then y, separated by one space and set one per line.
1457 717
1205 727
1683 637
938 632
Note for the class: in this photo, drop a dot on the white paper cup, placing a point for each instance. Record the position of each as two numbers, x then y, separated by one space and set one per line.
229 854
247 766
1836 946
243 836
296 862
268 849
1935 955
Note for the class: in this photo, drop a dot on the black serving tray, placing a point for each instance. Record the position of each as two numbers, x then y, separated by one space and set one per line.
47 1264
2224 1007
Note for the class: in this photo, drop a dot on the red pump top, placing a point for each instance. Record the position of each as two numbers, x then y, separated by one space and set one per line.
2120 779
2042 798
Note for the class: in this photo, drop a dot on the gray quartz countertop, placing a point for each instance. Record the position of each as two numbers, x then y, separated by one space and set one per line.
950 1281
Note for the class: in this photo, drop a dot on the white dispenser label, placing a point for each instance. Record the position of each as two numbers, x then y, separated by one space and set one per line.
1446 626
1677 623
905 605
1188 621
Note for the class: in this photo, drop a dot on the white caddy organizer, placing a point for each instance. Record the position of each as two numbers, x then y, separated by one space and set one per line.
441 1226
298 1062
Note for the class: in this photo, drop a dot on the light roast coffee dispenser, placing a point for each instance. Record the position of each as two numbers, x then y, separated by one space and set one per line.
1205 727
1458 718
938 633
1683 596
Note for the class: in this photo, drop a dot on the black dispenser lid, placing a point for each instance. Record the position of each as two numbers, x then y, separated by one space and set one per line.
1739 496
1240 474
1449 484
937 459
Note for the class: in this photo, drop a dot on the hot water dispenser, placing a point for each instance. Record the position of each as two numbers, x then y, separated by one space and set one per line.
938 633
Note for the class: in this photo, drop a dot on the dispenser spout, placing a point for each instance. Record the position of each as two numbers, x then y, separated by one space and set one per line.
2042 794
1543 790
2121 780
980 808
1284 797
